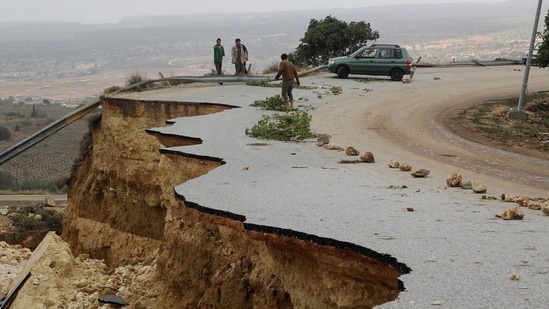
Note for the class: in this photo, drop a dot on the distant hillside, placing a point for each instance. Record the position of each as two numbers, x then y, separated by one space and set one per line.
435 32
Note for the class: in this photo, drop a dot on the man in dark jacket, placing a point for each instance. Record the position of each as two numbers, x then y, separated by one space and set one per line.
239 55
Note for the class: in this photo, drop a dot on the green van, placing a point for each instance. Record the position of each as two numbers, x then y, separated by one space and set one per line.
377 59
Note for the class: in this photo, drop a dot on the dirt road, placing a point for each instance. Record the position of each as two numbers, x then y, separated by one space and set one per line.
404 122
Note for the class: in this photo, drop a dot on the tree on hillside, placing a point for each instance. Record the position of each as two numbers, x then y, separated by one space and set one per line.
5 134
542 59
330 38
34 113
37 113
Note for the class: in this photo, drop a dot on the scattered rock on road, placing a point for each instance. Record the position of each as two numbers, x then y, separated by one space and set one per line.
351 151
512 213
454 180
545 208
405 167
332 146
478 186
467 185
322 140
509 198
368 157
421 173
523 201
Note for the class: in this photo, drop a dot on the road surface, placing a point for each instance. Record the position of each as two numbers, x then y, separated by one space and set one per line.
405 122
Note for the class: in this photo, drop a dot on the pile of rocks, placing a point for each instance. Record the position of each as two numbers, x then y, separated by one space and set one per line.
525 201
405 167
12 259
58 279
456 180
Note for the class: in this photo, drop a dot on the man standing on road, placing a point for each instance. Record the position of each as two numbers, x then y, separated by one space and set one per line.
239 57
219 53
287 70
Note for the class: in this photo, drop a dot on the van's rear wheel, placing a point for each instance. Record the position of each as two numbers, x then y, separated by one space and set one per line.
343 72
396 74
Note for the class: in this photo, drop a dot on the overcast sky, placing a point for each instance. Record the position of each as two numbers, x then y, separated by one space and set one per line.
111 11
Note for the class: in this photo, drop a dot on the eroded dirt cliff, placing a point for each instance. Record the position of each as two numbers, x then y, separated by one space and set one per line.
122 208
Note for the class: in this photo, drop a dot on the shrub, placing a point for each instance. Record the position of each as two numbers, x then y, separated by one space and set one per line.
283 127
273 68
111 89
135 78
5 133
51 221
26 122
25 223
15 114
275 103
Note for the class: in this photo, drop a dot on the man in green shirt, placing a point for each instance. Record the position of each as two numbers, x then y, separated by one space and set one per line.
219 53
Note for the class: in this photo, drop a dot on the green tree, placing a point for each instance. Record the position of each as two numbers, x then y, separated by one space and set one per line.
330 38
542 59
5 134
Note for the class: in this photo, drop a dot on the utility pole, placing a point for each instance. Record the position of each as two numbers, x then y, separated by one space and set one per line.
519 112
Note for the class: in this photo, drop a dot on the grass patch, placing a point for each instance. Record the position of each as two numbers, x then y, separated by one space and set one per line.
263 83
397 187
492 120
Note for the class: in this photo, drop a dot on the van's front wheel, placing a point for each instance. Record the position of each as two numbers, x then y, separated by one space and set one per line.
343 72
396 74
